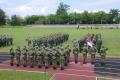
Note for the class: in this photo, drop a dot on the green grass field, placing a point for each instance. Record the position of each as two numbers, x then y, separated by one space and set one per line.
111 37
21 75
103 79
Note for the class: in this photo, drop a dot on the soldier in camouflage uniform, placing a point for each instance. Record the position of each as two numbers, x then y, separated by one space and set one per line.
103 54
81 44
31 57
54 59
24 56
58 55
62 59
46 58
75 51
98 42
39 58
50 54
18 56
85 51
92 51
12 56
68 50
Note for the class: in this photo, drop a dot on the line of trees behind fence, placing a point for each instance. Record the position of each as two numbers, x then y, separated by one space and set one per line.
63 17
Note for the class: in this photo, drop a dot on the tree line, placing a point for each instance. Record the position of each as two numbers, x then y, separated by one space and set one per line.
63 17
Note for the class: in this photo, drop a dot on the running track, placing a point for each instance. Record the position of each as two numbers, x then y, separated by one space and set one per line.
74 71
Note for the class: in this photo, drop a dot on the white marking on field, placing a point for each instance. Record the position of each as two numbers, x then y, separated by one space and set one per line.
23 70
91 71
103 78
87 70
52 77
74 75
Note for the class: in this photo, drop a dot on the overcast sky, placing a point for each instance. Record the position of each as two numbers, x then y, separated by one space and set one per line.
45 7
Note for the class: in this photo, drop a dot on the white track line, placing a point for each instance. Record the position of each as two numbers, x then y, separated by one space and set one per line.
23 70
74 75
52 77
80 75
103 77
88 70
92 71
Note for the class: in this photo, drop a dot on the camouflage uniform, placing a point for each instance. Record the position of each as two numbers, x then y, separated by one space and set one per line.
62 59
58 55
84 51
68 50
24 56
93 51
31 57
39 58
12 56
46 58
75 52
18 56
98 42
103 54
54 59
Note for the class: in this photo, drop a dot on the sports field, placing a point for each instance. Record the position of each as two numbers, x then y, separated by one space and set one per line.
111 37
22 75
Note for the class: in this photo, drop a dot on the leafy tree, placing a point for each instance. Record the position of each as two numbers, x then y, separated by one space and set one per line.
40 20
62 8
62 13
32 19
17 21
113 15
2 17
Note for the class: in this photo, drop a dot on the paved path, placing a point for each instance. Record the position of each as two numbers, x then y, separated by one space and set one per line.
74 71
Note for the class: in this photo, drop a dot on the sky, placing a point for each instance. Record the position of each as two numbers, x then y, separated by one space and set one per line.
45 7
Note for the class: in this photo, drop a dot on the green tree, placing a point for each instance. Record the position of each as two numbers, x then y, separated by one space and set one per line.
62 13
85 17
40 20
32 19
2 17
17 21
113 15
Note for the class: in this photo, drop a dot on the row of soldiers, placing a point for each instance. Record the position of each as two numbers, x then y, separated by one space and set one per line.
41 56
5 40
81 46
52 39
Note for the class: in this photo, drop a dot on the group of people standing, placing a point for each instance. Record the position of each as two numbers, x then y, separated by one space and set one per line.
42 51
92 44
5 40
41 56
52 39
46 55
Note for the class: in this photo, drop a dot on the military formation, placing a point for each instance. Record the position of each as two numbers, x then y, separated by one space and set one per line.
43 52
51 52
89 44
41 56
5 40
50 40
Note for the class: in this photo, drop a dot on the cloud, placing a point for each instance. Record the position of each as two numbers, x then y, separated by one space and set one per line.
32 7
37 7
22 8
45 7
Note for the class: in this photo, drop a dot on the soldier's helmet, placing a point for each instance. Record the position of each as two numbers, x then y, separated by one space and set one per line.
62 48
11 49
24 47
18 47
102 47
40 48
54 48
46 48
